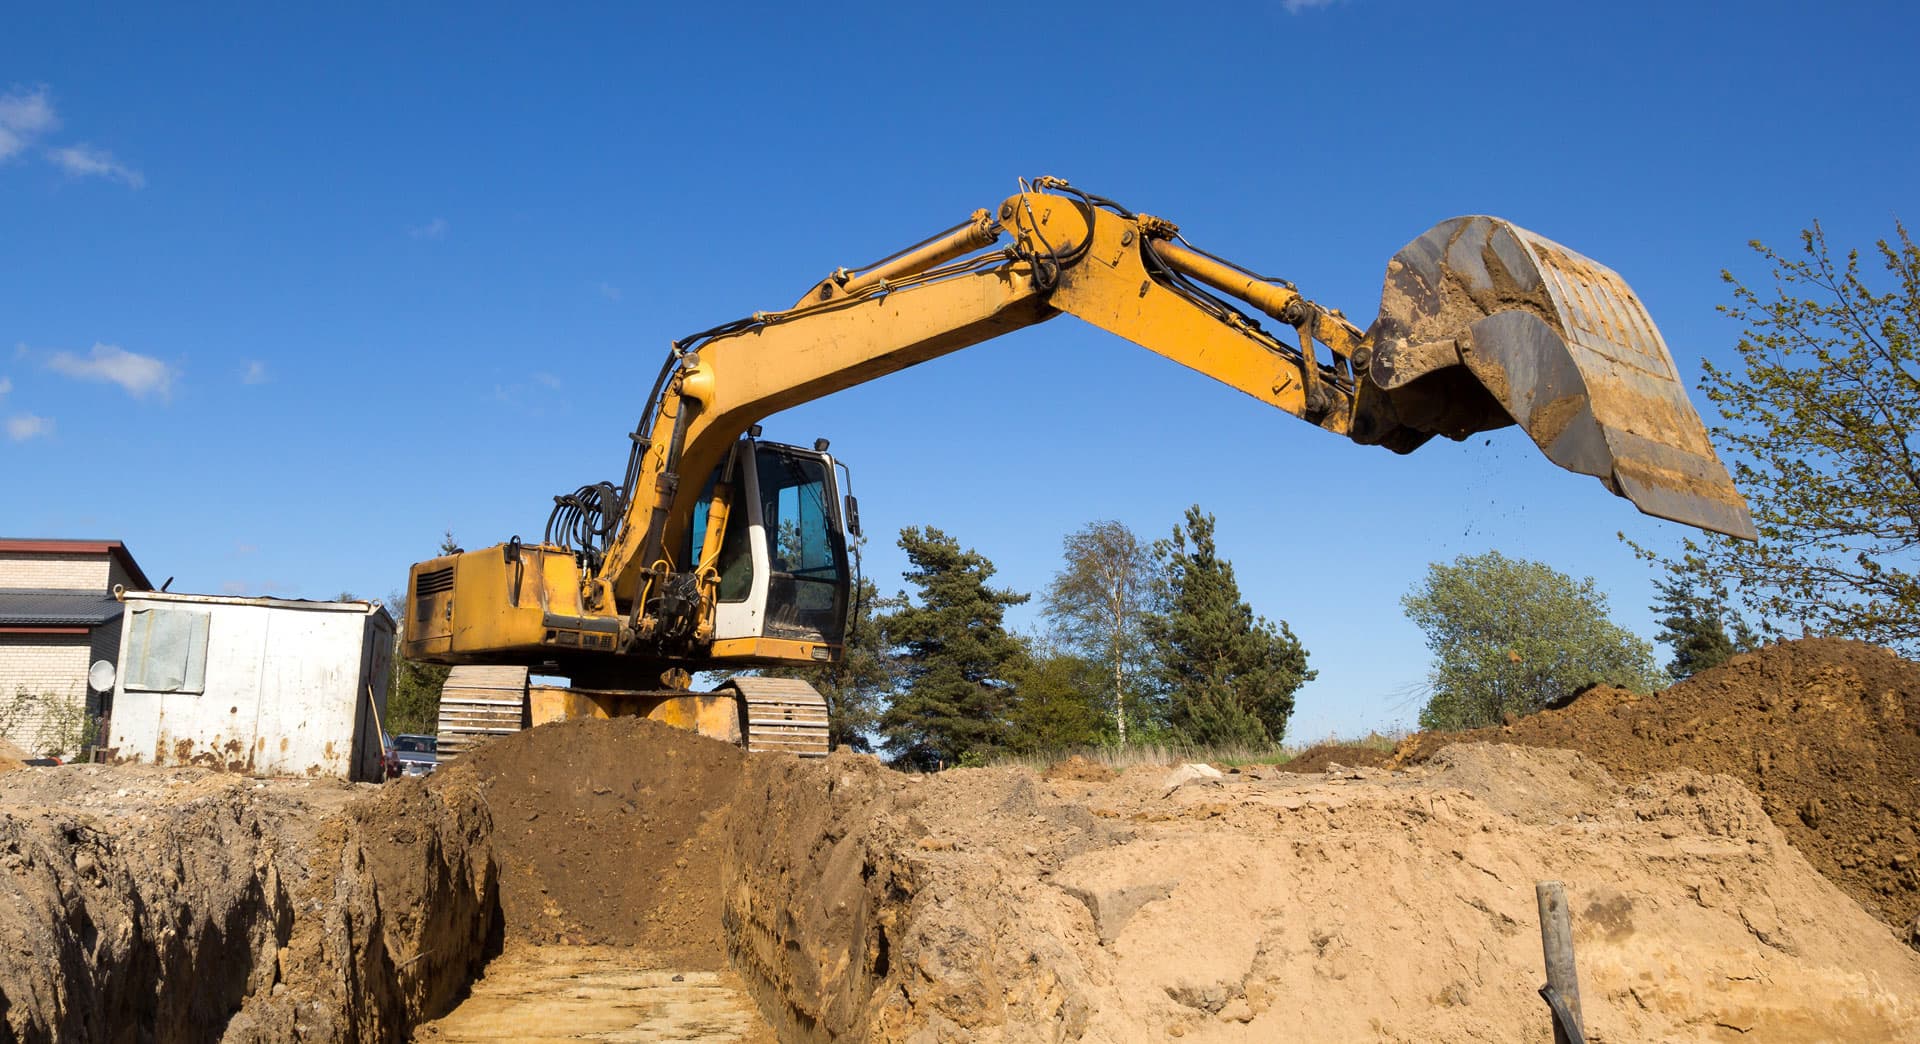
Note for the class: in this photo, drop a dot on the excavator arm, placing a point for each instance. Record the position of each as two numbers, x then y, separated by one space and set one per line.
1482 324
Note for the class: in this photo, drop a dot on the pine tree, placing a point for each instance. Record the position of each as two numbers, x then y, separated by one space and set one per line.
1058 699
955 656
1226 676
1694 624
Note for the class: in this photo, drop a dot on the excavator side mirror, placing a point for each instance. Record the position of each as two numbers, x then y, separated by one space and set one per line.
853 515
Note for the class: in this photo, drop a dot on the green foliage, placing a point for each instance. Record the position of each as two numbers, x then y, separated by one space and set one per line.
413 697
1511 636
854 687
1059 700
1819 427
955 656
48 724
1097 605
1222 674
1694 621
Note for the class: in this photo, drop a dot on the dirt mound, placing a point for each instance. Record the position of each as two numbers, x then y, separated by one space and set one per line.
1827 732
610 832
1321 756
991 905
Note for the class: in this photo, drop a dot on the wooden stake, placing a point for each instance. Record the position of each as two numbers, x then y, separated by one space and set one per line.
1563 983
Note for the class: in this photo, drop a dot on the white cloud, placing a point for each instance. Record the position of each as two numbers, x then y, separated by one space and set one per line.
24 116
140 375
85 161
255 373
6 385
611 293
24 426
547 379
431 230
1298 6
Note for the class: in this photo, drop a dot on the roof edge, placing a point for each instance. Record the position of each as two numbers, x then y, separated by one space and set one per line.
59 546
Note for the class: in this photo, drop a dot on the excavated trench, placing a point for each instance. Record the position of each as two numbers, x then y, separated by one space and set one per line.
623 880
179 905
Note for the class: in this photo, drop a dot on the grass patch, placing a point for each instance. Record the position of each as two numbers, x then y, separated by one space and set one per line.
1169 753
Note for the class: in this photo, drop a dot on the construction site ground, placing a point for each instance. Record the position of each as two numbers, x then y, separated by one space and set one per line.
1738 851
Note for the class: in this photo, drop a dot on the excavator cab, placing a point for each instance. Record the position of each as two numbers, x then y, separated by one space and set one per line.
782 558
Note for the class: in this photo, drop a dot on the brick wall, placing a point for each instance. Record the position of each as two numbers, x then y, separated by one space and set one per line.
77 572
52 665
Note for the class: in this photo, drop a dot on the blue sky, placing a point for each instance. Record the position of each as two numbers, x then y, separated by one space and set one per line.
285 295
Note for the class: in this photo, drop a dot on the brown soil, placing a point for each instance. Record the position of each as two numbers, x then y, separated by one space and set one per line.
1321 757
1826 732
609 832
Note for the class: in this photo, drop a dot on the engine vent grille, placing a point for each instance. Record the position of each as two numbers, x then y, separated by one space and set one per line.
434 582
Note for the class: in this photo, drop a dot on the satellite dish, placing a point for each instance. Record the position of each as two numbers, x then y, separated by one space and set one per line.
100 676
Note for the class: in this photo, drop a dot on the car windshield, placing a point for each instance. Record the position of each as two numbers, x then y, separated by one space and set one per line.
413 744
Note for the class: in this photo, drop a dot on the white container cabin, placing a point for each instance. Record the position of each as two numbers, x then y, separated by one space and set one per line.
263 686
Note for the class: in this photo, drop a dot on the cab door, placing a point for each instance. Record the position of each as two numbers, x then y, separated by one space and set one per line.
741 560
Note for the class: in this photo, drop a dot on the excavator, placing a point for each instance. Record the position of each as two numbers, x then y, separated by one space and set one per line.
719 551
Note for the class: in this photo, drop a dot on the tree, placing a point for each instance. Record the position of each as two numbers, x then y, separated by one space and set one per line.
866 672
1694 622
1819 427
1511 636
1057 699
413 687
1225 676
1097 604
954 654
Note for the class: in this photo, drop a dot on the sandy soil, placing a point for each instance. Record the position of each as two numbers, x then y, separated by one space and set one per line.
1364 905
1826 732
554 994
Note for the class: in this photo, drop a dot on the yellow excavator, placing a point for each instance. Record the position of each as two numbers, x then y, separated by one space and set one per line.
720 551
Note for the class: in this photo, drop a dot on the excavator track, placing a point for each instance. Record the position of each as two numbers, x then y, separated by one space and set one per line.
783 715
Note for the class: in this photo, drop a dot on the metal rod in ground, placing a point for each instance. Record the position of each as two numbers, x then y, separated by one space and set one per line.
1562 991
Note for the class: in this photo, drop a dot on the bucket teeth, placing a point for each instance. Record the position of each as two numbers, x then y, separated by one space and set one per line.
1556 343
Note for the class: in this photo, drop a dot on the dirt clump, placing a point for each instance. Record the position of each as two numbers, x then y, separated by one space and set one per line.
1322 756
1825 731
1080 768
611 832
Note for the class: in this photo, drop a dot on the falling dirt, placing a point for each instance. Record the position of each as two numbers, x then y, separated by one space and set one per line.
1826 732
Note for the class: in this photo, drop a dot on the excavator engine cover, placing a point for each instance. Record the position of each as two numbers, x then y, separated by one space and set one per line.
1564 348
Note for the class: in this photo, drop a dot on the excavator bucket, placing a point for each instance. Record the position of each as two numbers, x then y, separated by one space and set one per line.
1564 348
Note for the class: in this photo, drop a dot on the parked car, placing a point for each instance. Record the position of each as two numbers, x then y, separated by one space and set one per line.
411 755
